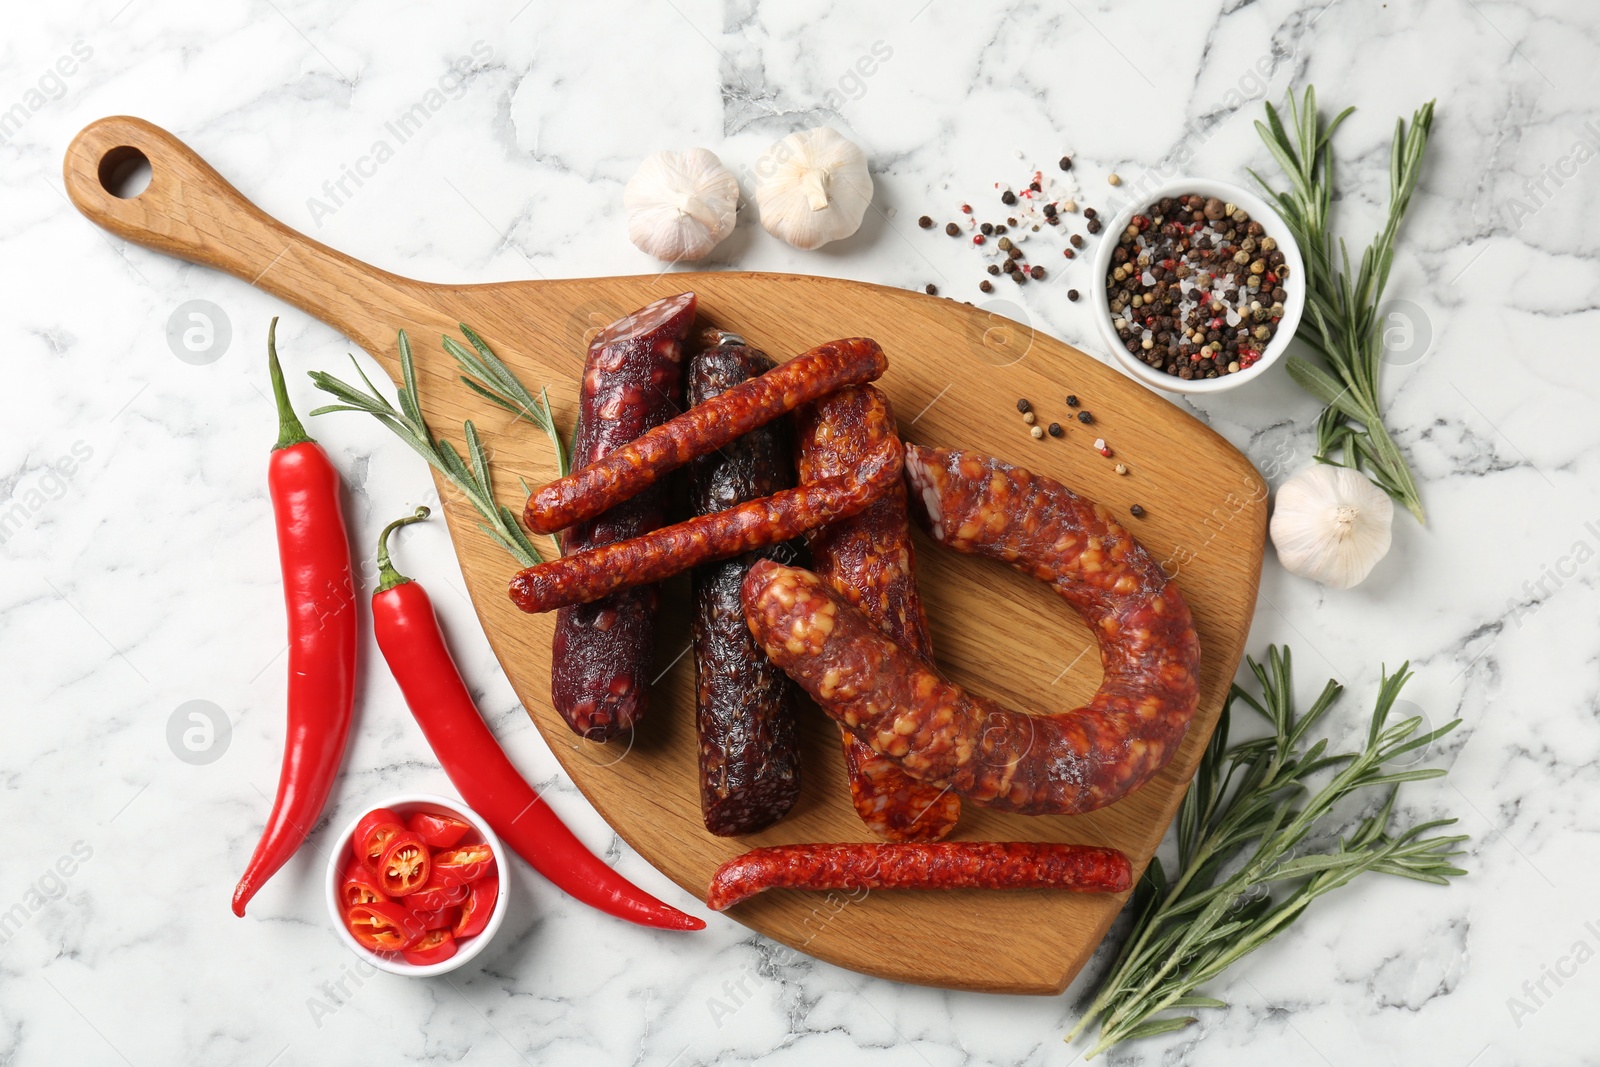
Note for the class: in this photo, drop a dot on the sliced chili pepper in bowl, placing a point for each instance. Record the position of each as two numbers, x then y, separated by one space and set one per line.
382 927
438 831
467 863
373 834
360 886
479 906
435 894
433 918
435 946
405 866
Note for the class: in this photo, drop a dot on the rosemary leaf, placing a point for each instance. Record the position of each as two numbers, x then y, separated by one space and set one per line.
1257 844
1341 322
406 422
485 374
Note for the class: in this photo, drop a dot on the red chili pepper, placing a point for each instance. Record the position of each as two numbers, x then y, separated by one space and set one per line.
382 927
360 886
438 831
408 635
436 946
315 555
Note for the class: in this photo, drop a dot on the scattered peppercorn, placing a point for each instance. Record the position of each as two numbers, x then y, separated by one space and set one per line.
1121 468
1072 401
925 222
1136 511
994 268
1072 294
1037 432
1090 213
1066 163
1083 416
987 227
986 285
931 289
1094 226
978 238
1037 272
1114 179
1056 430
952 229
1023 405
1008 198
1077 240
1030 418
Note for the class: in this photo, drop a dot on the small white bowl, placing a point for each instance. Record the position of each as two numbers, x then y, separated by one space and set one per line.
1294 285
405 806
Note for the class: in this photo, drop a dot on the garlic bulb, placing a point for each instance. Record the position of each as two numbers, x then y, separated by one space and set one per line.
813 187
681 204
1331 524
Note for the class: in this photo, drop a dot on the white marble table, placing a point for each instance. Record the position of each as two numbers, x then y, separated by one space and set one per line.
137 573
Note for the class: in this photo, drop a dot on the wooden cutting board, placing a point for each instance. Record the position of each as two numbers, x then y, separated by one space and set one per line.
955 375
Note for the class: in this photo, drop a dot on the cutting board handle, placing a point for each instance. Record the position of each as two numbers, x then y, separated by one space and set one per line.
190 211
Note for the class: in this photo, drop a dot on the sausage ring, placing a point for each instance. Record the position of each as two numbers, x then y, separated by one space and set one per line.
1064 763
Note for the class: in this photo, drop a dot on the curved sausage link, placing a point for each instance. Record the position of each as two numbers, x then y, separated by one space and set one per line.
655 556
1064 763
601 652
625 471
868 557
947 865
744 705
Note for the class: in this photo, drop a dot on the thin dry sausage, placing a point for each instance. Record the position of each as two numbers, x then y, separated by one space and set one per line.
621 473
1064 763
869 558
601 652
945 865
744 706
671 550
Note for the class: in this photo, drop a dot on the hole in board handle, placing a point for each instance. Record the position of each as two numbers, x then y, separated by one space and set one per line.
124 172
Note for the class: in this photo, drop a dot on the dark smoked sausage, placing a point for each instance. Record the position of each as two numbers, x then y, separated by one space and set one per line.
1065 763
607 481
868 557
601 653
788 513
946 865
745 706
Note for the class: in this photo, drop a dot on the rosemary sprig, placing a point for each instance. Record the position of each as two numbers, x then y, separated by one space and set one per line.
470 475
486 375
1341 305
1256 846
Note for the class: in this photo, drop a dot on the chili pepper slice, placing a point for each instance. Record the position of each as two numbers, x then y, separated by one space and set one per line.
435 894
314 553
438 831
435 946
459 866
479 906
433 918
373 834
360 886
405 866
408 635
382 927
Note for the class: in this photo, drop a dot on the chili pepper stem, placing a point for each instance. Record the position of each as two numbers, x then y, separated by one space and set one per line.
388 577
290 431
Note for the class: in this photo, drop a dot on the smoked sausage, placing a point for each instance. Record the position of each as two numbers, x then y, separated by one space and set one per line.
1065 763
744 705
598 572
622 472
868 558
945 865
601 652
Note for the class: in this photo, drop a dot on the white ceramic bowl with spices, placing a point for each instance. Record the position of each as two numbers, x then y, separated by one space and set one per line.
406 806
1294 286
